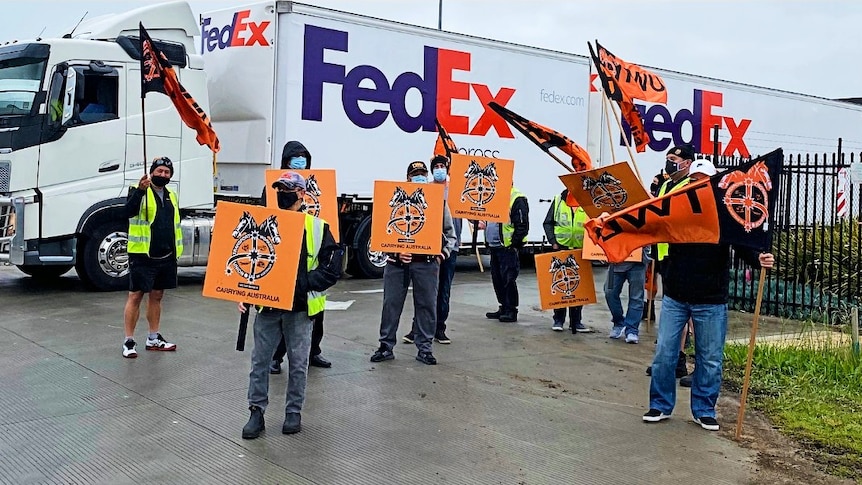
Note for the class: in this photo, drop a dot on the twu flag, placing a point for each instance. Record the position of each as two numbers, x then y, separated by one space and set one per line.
733 207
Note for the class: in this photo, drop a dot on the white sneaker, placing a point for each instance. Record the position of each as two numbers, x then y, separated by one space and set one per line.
616 331
159 343
631 338
129 350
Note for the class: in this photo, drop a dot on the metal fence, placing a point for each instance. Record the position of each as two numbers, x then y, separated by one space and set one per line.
818 274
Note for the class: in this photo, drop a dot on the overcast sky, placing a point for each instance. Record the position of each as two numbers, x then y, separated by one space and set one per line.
811 47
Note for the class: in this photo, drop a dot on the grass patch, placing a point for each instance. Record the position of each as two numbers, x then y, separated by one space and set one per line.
813 394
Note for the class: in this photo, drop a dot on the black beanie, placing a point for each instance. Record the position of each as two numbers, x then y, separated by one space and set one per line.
684 151
162 162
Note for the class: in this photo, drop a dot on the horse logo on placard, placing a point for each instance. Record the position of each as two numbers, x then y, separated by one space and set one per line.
312 196
481 184
746 197
407 217
565 277
253 254
606 191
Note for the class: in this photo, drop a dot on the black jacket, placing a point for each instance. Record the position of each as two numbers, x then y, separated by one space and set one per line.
700 273
519 216
326 274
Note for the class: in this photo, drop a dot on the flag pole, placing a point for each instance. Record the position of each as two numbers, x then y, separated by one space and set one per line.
474 236
625 139
651 294
144 128
747 379
608 123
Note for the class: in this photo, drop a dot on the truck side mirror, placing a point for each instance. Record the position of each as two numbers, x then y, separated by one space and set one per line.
69 96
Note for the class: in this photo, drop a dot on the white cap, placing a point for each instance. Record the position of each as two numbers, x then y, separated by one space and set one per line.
704 166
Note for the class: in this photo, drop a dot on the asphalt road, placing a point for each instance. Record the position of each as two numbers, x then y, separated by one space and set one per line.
508 403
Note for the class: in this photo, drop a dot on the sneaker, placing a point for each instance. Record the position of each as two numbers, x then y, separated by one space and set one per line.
581 328
616 332
159 343
632 338
407 339
426 358
685 381
654 416
382 354
557 327
708 423
129 350
441 338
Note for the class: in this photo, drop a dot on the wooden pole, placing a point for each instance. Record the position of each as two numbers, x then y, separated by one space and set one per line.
747 379
854 326
568 168
610 133
651 294
626 140
473 232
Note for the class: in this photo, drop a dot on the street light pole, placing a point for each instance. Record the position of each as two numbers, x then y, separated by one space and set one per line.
440 15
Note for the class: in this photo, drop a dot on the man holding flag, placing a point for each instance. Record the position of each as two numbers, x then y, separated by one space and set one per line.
701 221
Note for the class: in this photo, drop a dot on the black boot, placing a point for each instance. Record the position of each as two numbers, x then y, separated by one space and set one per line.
494 315
681 369
255 425
509 316
292 423
650 308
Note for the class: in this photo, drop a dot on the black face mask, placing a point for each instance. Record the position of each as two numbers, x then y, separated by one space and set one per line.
287 199
159 181
671 168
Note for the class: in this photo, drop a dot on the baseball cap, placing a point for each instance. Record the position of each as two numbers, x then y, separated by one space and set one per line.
290 181
416 167
704 166
684 151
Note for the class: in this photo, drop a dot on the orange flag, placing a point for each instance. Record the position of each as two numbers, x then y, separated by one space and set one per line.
733 207
158 75
444 146
546 138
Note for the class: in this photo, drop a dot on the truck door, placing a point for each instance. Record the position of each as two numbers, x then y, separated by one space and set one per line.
85 164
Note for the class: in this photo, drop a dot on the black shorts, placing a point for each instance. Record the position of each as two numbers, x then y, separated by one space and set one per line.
147 274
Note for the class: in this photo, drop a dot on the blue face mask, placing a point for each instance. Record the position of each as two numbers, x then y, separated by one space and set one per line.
298 163
419 179
439 174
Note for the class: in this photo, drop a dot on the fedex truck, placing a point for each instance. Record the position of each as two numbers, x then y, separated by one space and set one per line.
361 93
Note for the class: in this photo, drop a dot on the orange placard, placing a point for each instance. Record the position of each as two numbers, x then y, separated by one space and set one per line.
321 195
605 189
479 187
407 218
254 255
594 252
565 279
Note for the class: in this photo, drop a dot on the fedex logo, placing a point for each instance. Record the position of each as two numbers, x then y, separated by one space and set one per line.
665 130
240 32
434 83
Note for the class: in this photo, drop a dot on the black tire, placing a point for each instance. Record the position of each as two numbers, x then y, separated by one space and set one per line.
45 272
363 262
104 263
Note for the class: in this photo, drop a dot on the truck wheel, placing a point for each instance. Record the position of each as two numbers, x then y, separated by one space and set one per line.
105 262
39 272
365 262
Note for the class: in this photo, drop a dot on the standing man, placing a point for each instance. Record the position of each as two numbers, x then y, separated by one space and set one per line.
295 156
319 268
155 243
564 228
504 242
440 174
618 273
424 271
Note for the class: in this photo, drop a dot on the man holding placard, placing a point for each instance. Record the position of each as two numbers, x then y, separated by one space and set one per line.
564 228
423 271
319 268
504 242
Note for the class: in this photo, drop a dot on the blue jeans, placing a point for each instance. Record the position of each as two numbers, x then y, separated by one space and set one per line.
710 329
635 275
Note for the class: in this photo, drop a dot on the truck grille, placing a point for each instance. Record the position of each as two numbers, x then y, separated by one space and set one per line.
7 227
5 175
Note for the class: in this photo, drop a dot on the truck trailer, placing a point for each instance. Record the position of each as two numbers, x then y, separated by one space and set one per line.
361 93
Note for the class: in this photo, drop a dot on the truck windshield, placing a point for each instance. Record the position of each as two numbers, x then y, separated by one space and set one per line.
19 82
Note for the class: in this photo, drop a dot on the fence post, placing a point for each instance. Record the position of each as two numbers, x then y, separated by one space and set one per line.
854 328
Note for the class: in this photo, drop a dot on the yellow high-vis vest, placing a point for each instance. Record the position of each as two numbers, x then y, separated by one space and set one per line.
139 225
508 229
568 224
